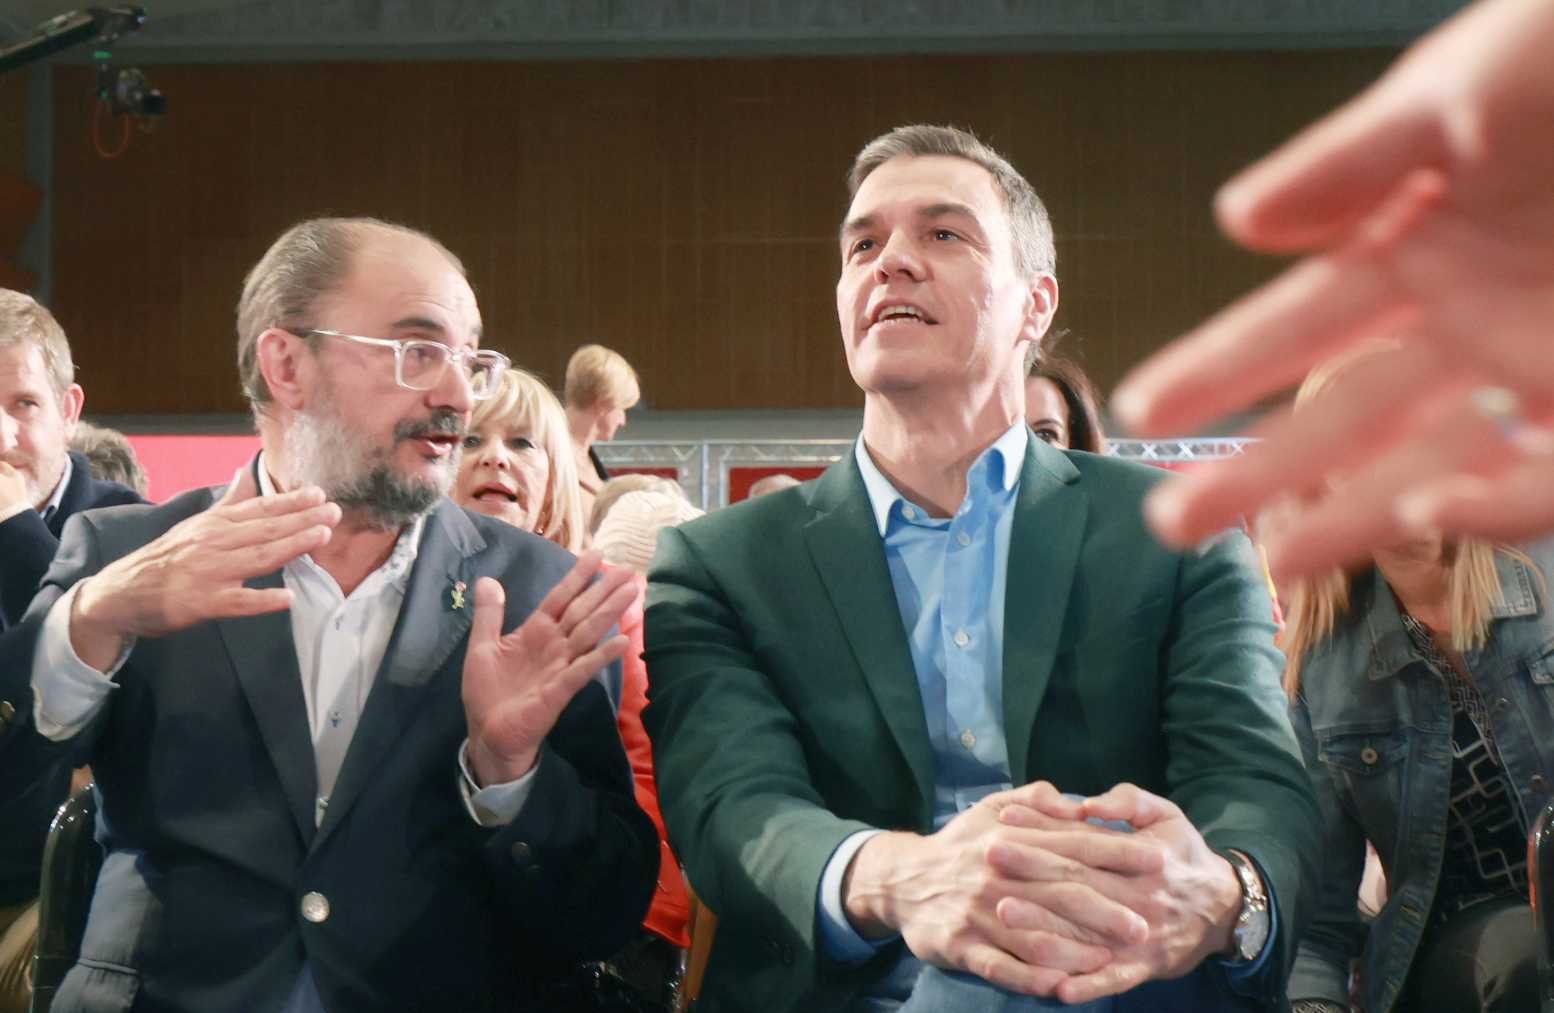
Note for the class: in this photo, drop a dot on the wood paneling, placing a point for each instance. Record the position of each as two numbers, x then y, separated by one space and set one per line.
682 212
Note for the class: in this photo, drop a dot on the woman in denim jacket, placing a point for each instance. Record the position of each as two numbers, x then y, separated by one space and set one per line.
1422 692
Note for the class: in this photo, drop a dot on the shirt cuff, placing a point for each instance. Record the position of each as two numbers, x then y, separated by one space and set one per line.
496 805
1242 972
67 692
840 940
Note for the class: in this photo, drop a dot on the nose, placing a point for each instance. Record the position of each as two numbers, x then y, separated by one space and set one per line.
453 391
494 454
898 258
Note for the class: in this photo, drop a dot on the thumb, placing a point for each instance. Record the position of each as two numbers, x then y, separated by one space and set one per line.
490 602
241 487
1132 803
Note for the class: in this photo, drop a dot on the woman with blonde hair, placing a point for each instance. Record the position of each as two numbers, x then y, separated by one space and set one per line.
517 463
1422 695
600 387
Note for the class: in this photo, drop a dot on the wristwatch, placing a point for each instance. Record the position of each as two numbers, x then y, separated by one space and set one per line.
1251 931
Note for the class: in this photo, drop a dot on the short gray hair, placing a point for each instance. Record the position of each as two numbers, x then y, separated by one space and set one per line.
308 261
25 321
1034 251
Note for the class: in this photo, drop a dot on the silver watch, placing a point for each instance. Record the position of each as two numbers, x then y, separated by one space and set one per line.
1252 925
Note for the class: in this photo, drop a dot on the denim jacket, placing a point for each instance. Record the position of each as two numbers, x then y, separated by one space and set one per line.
1375 725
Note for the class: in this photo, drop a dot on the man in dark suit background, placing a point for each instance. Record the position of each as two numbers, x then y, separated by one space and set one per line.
327 779
863 691
41 486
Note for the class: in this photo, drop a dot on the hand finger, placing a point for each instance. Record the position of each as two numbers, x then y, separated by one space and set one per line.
1367 407
268 558
608 613
589 601
235 602
560 688
241 487
1113 979
226 534
1004 971
570 586
485 626
1452 437
1092 847
1042 796
306 498
1090 915
1052 950
1123 927
1516 504
1132 803
1262 343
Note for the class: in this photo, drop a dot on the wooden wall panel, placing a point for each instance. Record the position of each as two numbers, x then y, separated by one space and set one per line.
683 212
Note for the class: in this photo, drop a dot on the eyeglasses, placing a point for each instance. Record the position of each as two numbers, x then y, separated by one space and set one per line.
420 365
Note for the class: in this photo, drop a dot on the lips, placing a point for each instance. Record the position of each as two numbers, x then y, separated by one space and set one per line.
493 492
899 312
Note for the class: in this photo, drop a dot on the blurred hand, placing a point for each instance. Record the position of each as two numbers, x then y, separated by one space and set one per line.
195 571
1189 896
516 685
948 893
14 494
1427 208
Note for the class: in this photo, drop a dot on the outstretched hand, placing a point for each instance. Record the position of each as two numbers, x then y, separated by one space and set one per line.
517 684
1426 207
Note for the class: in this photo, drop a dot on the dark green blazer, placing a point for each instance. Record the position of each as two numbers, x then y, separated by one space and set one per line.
785 713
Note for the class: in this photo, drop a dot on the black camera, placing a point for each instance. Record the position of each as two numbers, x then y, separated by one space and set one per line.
128 93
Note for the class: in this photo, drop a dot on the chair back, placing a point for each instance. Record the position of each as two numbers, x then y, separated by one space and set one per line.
1540 867
71 860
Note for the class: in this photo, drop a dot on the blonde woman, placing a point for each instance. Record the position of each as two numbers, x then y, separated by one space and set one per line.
517 464
600 387
1423 697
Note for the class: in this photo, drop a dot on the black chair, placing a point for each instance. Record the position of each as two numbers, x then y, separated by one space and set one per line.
71 860
1540 863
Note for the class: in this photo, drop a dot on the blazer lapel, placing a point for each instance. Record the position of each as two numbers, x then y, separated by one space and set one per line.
427 630
1044 545
264 654
845 543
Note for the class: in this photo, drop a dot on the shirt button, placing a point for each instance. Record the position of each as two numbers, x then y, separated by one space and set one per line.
963 539
962 638
1369 756
315 906
909 513
967 739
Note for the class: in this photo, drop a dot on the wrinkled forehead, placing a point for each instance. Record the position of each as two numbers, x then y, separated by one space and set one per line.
403 284
914 185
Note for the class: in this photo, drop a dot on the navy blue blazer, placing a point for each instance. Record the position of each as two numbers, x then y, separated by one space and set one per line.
27 546
206 781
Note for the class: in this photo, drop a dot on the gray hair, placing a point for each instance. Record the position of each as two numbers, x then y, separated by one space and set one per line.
1034 252
24 320
308 261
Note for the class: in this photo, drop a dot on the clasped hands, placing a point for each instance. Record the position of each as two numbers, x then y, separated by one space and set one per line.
1021 891
515 685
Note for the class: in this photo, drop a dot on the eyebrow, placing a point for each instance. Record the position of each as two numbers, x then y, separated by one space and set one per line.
1056 422
425 324
943 209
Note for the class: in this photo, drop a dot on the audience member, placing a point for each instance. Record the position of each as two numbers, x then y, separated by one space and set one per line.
288 823
767 484
517 464
600 387
1061 405
1414 695
619 486
518 467
1426 207
42 485
866 695
629 531
110 455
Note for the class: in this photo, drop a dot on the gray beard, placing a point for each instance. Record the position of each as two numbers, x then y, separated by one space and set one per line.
323 451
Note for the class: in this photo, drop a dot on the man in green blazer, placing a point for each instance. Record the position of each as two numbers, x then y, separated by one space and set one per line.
946 728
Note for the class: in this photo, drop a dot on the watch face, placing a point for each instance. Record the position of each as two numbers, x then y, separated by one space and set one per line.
1252 934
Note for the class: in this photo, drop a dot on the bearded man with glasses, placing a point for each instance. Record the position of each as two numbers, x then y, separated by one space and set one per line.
327 778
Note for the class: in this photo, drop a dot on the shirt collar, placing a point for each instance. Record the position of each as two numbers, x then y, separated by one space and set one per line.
59 489
1007 454
396 568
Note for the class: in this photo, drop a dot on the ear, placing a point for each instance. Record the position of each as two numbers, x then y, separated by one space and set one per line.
1040 308
286 364
70 405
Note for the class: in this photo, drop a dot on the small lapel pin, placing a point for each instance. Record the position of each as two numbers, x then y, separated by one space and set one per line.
457 594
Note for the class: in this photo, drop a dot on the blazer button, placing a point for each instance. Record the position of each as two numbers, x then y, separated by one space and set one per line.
1369 756
1539 783
520 852
7 713
315 906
